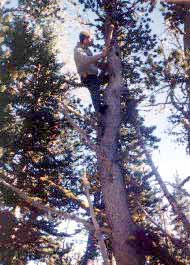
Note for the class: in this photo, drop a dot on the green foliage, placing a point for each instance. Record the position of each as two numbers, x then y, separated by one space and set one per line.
33 156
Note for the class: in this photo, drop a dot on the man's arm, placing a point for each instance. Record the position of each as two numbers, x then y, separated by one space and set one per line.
85 59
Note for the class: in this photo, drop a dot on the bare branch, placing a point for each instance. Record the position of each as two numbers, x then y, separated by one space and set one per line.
184 181
176 209
85 138
95 223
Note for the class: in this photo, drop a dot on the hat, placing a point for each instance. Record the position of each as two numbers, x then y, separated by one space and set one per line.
83 35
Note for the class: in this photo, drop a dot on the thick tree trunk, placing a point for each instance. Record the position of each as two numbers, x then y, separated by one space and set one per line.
187 29
112 181
187 53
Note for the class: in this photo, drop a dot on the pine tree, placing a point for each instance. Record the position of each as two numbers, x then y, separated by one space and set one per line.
32 157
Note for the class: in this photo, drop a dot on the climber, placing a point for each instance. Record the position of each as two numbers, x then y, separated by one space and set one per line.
88 70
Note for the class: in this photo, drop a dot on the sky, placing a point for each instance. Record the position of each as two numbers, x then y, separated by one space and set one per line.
10 3
170 157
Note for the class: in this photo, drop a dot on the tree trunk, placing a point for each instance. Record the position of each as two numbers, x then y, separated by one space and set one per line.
112 181
187 29
187 54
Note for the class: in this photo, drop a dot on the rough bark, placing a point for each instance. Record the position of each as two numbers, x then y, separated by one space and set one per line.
113 186
187 29
187 54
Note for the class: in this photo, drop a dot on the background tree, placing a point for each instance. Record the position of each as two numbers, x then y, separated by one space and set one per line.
176 67
33 158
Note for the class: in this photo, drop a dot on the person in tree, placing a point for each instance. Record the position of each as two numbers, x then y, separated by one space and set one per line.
88 67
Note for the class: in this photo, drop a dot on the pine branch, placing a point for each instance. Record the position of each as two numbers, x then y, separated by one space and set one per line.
184 182
90 121
180 188
73 83
69 195
37 204
84 137
45 227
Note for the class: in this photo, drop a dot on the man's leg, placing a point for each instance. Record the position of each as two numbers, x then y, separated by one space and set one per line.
93 84
103 77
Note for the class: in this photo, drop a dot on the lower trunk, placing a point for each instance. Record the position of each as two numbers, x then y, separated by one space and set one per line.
112 182
119 217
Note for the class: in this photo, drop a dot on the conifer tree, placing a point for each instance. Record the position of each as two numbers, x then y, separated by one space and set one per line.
32 157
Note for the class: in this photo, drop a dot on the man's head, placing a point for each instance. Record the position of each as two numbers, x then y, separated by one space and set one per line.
86 38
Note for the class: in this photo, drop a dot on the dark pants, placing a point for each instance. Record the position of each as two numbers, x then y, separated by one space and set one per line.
93 83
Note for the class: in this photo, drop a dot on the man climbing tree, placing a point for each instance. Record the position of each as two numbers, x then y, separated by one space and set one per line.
87 67
46 171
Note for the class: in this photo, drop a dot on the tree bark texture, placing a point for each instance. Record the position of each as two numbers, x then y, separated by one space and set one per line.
112 181
187 54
